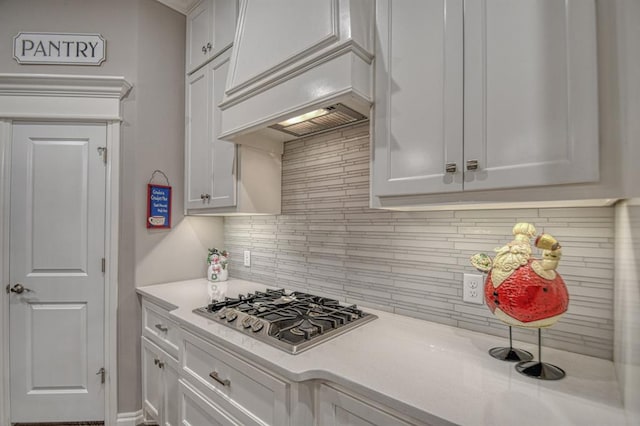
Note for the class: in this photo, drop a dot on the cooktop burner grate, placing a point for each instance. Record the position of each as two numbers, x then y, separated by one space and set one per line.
290 321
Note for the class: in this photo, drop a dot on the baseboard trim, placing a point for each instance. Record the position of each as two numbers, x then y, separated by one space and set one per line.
130 419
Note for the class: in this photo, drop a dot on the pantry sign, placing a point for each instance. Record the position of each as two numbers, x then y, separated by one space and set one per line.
59 48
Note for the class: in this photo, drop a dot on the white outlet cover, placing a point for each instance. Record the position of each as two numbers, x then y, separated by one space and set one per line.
247 258
473 289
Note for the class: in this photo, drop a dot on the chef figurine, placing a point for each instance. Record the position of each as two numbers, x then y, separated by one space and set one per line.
520 290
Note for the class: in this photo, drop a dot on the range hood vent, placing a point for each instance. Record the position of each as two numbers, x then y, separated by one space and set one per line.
320 120
289 78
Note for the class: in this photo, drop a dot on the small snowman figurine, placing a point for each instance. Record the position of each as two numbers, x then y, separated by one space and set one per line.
218 261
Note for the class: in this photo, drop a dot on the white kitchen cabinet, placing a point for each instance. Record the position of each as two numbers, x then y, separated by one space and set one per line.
418 97
338 407
196 409
244 391
503 95
157 327
159 385
210 29
220 177
210 162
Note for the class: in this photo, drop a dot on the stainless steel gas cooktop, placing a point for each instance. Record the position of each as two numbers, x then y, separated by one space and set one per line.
291 321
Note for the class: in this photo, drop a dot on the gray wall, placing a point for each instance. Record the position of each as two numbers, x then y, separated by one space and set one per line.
145 44
328 241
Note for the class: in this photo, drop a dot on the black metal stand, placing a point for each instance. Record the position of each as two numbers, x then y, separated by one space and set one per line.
510 354
538 369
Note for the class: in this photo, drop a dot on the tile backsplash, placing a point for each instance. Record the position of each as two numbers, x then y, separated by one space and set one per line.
328 241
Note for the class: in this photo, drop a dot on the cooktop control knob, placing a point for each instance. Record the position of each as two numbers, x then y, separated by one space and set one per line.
257 326
231 315
247 322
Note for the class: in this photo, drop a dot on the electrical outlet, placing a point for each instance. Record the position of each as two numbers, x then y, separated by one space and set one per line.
473 289
247 258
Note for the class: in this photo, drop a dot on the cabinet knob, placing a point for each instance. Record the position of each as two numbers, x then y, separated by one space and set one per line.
472 164
204 49
209 47
451 167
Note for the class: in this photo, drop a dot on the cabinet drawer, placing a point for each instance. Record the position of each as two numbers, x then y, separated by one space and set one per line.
250 394
157 326
197 410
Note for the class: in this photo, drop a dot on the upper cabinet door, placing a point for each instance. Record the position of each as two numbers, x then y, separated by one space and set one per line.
531 114
198 155
418 123
199 34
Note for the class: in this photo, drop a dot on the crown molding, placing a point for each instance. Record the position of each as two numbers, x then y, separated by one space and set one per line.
64 85
182 6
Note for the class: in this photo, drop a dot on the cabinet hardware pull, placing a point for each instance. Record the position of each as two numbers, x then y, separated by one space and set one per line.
207 196
204 50
160 364
209 46
202 196
162 328
223 382
451 167
472 164
156 361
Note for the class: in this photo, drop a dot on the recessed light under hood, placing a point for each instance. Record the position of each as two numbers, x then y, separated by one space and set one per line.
316 68
319 120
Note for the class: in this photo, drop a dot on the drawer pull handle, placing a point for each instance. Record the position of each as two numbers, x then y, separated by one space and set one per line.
162 328
223 382
472 165
451 167
156 361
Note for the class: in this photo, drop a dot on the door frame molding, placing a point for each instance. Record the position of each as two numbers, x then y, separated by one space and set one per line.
64 98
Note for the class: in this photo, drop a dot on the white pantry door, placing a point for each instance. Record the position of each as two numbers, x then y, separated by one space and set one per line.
56 250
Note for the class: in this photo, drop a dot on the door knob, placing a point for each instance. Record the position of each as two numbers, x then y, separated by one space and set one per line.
18 289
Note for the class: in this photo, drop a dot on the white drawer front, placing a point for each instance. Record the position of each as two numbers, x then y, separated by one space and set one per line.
250 394
160 329
196 410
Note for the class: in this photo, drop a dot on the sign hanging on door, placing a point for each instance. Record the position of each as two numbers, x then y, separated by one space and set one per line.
158 206
59 48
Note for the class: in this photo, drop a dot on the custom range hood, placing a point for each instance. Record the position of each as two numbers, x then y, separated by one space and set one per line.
298 67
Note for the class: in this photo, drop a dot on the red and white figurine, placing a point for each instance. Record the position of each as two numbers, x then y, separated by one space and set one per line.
520 290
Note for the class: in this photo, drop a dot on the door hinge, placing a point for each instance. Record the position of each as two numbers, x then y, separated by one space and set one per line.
104 264
102 372
102 150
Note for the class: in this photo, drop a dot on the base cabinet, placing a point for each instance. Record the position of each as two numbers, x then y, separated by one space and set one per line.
336 407
209 385
197 410
246 392
159 385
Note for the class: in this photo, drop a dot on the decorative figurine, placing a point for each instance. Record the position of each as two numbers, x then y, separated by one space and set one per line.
217 261
525 292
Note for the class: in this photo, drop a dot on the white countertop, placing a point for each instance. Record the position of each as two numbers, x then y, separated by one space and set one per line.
436 373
